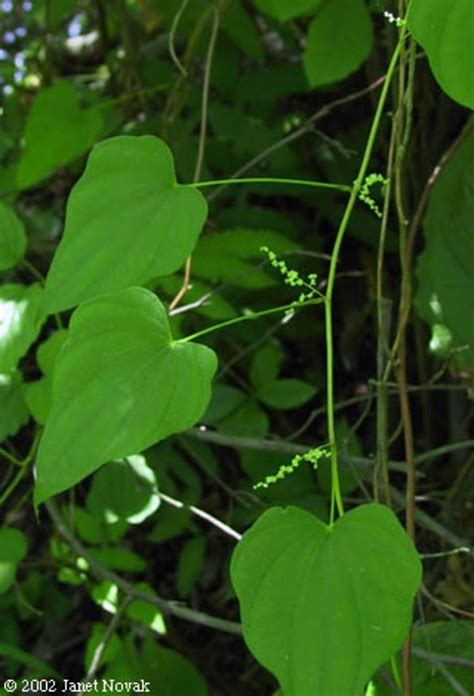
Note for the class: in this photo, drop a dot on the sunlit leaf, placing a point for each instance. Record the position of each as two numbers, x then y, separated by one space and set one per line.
21 318
127 220
120 385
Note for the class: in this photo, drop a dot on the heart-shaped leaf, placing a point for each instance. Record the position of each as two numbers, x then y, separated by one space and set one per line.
127 221
323 607
120 385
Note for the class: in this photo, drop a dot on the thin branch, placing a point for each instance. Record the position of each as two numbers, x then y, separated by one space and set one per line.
102 573
108 633
202 141
203 515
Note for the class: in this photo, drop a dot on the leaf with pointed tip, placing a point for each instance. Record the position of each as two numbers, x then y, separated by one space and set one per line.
323 607
120 385
127 220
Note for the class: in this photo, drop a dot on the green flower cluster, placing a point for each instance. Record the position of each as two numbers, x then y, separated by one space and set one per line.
292 277
312 456
365 195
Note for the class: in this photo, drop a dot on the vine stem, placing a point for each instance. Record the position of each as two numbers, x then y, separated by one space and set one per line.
336 497
273 180
248 317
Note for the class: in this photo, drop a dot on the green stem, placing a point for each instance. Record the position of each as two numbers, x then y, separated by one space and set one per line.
5 453
273 180
248 317
336 497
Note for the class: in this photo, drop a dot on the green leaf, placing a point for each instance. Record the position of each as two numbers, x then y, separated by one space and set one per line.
57 131
120 559
436 639
190 564
145 613
266 364
225 401
124 489
170 672
127 220
119 366
38 394
111 647
445 30
241 29
339 40
12 238
323 607
285 393
23 658
445 270
13 549
283 10
234 255
13 411
21 318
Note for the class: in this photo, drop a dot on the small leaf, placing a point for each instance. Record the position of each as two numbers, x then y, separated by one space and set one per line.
285 393
127 220
225 401
445 30
339 40
235 256
120 559
21 318
119 366
266 364
124 489
146 613
57 131
12 238
190 564
283 10
13 549
323 607
13 410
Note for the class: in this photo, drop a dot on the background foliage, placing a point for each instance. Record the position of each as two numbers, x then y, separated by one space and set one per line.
125 575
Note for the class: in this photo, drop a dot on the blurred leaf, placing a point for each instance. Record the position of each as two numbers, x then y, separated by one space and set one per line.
95 638
266 364
250 420
283 10
285 393
21 318
12 238
191 560
339 40
13 549
225 400
241 29
125 489
445 270
120 559
13 410
170 673
235 256
57 131
146 613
